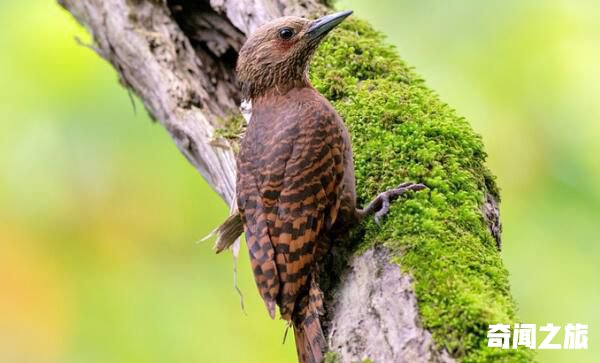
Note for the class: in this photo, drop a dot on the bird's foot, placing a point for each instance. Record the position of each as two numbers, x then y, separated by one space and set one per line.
380 206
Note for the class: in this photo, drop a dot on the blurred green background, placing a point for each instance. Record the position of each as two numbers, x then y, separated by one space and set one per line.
99 212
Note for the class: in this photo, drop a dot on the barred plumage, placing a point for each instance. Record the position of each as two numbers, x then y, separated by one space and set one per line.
290 184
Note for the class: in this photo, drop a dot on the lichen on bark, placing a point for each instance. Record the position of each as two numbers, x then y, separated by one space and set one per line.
401 131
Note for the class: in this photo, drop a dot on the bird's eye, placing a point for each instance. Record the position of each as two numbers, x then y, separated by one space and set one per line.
286 33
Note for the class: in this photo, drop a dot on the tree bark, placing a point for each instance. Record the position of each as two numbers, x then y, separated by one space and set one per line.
179 57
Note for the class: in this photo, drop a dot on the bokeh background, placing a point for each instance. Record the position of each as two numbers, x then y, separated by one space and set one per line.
99 213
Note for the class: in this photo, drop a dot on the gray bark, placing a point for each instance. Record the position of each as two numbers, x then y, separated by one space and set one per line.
380 317
179 58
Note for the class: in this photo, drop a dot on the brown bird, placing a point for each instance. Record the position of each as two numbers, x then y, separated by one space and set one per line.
295 181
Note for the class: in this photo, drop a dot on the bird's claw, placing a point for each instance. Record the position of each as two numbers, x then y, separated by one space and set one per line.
385 207
389 195
410 186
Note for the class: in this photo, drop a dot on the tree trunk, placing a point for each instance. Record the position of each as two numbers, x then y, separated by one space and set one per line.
425 285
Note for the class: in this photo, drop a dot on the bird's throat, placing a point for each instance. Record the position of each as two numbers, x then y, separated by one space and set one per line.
272 88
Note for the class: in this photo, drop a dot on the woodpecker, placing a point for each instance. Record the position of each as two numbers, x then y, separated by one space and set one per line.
295 183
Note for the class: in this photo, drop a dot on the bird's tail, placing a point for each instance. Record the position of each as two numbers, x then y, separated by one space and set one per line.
310 341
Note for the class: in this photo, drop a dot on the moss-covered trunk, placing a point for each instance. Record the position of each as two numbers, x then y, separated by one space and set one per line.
401 131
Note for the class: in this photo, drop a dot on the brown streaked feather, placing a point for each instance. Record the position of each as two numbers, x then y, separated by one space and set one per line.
308 202
227 233
290 179
310 342
260 248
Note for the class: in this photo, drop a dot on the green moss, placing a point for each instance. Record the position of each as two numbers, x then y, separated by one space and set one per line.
331 357
231 128
401 131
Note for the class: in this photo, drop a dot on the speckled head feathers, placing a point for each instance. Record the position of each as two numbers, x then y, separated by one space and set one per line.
275 57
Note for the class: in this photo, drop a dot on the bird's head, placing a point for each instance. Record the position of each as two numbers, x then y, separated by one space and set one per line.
275 57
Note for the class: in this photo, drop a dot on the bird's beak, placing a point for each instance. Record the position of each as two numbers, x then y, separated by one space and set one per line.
320 27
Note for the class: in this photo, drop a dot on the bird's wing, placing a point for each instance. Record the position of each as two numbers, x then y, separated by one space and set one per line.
308 203
254 215
287 193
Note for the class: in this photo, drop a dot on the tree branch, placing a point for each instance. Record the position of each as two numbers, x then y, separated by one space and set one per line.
422 288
